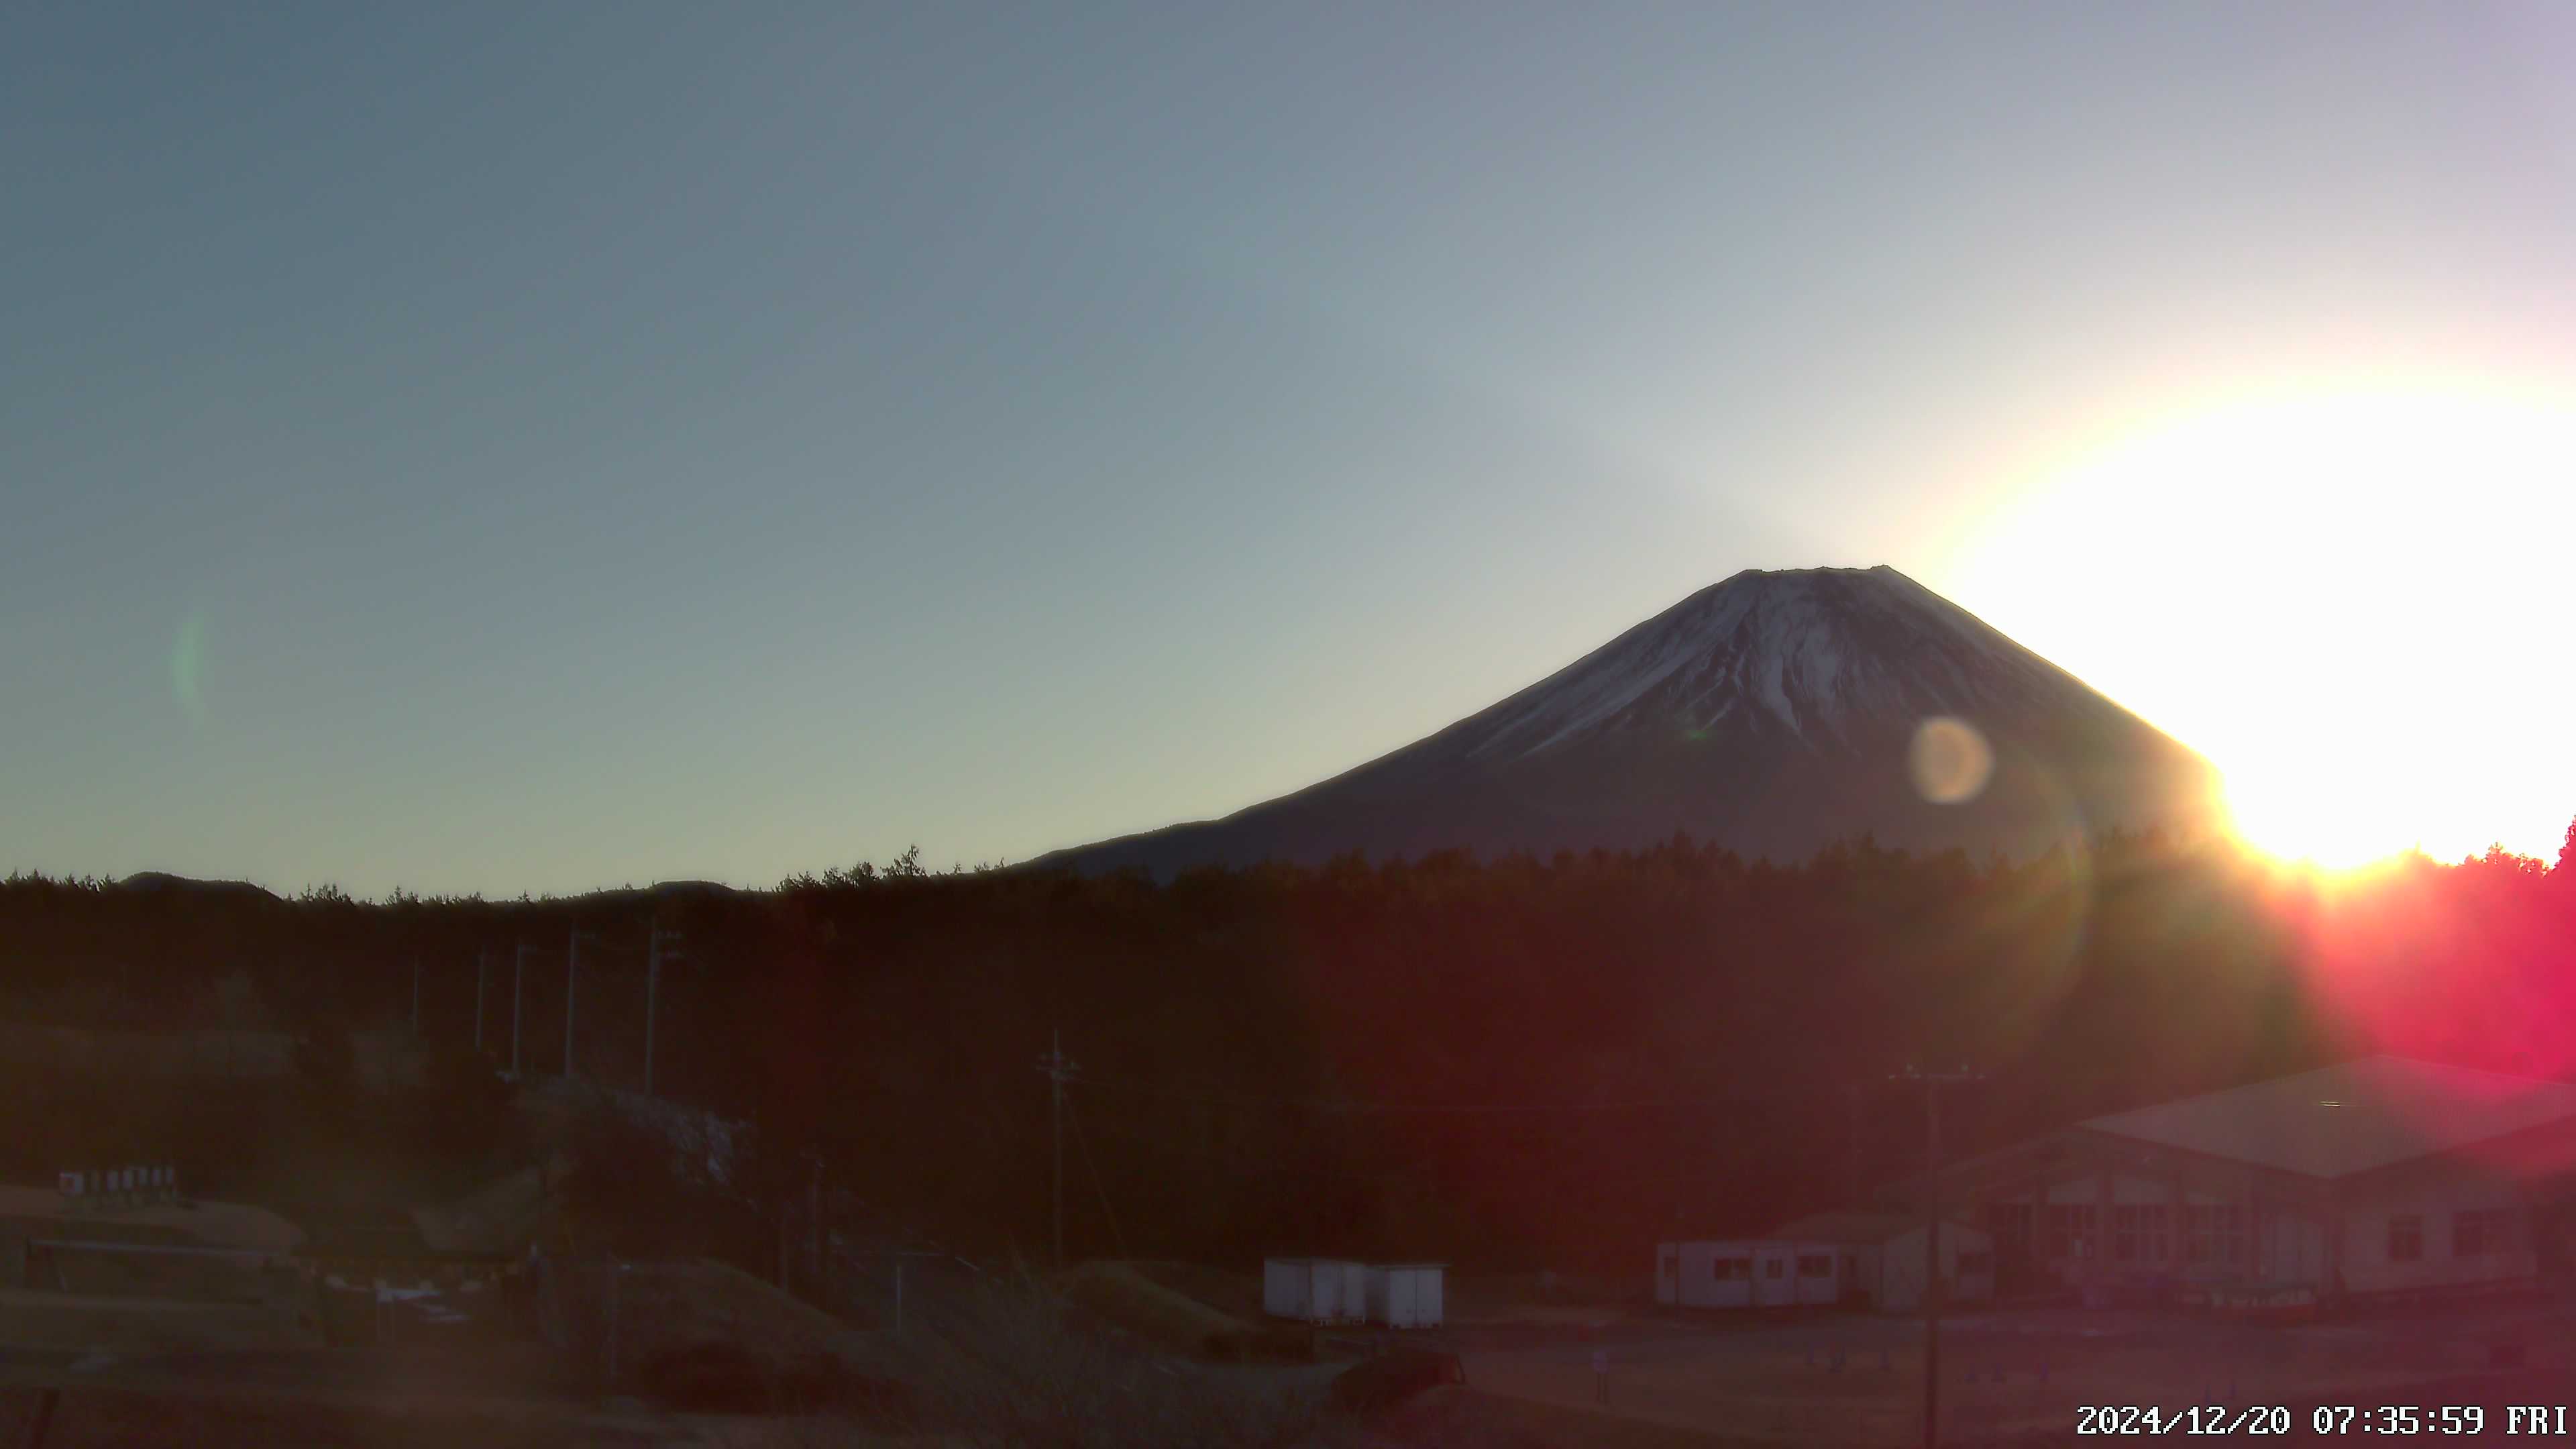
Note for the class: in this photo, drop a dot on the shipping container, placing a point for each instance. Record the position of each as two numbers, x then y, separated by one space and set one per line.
1314 1290
1406 1295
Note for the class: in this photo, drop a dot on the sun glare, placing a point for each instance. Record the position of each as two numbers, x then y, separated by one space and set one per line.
2352 603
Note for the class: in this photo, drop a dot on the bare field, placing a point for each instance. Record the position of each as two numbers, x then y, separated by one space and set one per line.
1860 1381
86 1417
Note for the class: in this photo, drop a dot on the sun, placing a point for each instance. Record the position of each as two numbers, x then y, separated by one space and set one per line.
2353 602
2309 819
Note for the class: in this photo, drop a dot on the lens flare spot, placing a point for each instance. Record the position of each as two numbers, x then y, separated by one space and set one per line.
187 666
1951 761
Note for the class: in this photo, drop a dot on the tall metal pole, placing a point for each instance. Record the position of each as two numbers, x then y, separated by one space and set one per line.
1058 1071
518 997
1932 1082
572 978
616 1272
652 991
814 1209
1932 1265
1852 1146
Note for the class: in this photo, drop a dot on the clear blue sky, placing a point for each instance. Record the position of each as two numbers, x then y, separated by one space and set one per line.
541 447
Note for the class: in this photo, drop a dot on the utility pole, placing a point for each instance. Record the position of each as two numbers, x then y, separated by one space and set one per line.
482 968
1058 1071
616 1276
814 1210
1852 1147
652 994
518 998
572 979
1932 1083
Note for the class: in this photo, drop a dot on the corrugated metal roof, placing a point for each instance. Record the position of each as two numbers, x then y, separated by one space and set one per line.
2353 1117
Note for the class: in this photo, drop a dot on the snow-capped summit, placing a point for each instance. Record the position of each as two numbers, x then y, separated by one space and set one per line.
1774 712
1809 652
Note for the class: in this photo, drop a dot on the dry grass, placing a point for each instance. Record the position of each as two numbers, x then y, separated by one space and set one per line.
1014 1368
1237 1294
664 1307
498 1217
1125 1298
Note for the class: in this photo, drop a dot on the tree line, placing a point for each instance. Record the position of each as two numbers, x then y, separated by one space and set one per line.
1507 1062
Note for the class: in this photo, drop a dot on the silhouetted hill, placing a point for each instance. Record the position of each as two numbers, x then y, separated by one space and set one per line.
163 883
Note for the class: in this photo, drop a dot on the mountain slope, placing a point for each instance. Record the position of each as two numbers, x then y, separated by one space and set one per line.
1773 713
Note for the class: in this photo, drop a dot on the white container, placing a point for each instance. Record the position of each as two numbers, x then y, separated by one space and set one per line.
1406 1295
1314 1290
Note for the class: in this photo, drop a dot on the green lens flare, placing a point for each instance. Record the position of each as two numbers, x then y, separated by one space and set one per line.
187 665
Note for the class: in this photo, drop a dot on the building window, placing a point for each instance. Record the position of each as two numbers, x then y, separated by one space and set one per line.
2213 1233
2124 1235
2011 1222
1776 1268
2155 1240
1815 1265
2476 1232
2406 1238
2070 1230
1730 1270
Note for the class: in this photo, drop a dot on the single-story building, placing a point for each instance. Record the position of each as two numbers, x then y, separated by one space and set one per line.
2381 1176
1852 1258
1747 1273
1879 1257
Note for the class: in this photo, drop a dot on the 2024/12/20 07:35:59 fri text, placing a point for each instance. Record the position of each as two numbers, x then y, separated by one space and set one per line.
2435 1420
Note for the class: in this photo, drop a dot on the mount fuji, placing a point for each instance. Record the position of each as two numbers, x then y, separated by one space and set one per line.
1773 713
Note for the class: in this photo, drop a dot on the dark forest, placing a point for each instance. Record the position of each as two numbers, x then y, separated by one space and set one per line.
1508 1064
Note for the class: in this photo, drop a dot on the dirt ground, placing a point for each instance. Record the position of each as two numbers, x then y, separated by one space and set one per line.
86 1417
1858 1380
